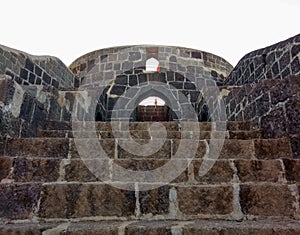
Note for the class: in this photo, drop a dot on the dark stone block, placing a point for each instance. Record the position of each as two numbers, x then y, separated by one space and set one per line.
179 77
111 103
173 59
274 124
77 200
5 165
155 201
31 78
133 81
275 69
293 116
285 73
267 200
162 77
117 90
196 55
121 80
37 147
38 81
262 105
55 83
46 78
127 66
55 109
117 66
91 64
177 85
9 73
295 50
27 107
284 60
295 66
103 58
29 65
42 170
189 86
205 200
133 56
17 201
270 58
292 170
82 67
24 74
170 76
39 117
214 73
142 78
295 144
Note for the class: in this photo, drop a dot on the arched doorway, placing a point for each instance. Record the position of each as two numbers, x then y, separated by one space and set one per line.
153 108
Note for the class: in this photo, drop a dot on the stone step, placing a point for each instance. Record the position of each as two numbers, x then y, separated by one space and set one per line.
160 227
144 134
21 169
106 126
75 200
62 148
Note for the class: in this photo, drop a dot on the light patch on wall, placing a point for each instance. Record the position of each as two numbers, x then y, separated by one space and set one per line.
152 65
152 100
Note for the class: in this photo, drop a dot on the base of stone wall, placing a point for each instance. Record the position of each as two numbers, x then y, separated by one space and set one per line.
266 227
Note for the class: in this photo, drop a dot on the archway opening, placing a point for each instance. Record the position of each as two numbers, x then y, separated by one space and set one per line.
153 109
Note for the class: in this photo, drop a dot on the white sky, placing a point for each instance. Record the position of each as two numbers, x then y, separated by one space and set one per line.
68 29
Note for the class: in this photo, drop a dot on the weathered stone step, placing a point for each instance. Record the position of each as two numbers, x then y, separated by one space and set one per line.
223 170
144 134
228 201
106 126
160 227
63 148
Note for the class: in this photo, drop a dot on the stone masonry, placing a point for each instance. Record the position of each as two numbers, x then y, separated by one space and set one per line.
47 114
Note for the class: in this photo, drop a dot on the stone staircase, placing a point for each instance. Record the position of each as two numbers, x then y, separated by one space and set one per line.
253 187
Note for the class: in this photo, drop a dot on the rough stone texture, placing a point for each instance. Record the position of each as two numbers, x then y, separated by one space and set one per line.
267 200
205 200
82 200
155 201
5 167
24 109
34 147
292 170
259 171
28 170
271 105
272 148
237 149
17 201
27 69
276 61
221 172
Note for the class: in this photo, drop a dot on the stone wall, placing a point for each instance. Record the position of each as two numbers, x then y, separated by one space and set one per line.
273 62
25 109
26 69
120 77
272 105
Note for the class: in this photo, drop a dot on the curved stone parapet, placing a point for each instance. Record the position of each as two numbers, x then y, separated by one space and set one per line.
28 69
273 62
176 59
127 75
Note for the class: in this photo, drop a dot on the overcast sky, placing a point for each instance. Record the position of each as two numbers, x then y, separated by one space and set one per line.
68 29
